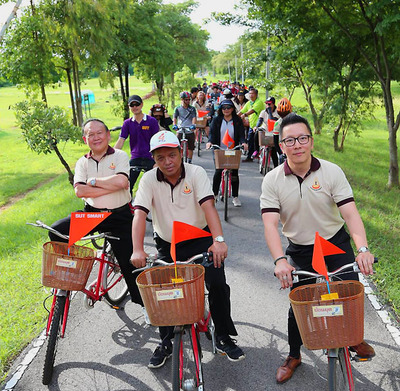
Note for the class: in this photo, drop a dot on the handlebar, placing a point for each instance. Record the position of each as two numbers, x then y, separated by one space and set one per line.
216 146
349 266
105 235
152 261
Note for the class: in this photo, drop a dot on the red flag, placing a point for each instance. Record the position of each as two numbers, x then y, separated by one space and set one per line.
323 247
228 141
84 222
181 232
201 113
271 124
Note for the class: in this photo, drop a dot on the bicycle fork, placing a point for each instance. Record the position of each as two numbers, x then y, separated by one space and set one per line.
58 293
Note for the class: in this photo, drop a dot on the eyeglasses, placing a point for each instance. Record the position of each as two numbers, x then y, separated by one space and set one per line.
290 141
226 107
134 104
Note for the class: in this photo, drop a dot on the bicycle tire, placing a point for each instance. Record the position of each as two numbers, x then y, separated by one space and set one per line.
185 152
199 137
268 164
187 371
226 194
52 340
112 273
340 375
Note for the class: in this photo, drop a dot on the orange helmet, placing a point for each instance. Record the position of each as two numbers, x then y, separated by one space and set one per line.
284 107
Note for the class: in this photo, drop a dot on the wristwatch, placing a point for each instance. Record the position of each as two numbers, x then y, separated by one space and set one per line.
363 249
219 239
93 182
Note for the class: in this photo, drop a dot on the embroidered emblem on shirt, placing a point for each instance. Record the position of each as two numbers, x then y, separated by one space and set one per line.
316 185
187 189
112 166
145 127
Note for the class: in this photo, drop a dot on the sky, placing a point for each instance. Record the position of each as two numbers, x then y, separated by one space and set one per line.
220 36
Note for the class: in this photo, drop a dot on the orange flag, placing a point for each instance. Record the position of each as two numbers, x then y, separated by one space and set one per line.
84 222
181 232
322 248
271 124
228 141
201 113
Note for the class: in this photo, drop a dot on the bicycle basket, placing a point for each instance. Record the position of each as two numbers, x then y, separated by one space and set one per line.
265 138
64 268
171 304
332 323
227 159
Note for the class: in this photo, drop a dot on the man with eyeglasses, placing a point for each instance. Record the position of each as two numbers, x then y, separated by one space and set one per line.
140 129
309 195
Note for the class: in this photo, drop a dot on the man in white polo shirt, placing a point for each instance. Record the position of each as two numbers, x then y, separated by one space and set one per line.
309 195
175 191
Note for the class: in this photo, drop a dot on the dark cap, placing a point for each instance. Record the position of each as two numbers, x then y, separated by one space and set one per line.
270 99
227 102
135 98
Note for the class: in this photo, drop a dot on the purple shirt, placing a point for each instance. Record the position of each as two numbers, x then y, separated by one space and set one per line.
139 135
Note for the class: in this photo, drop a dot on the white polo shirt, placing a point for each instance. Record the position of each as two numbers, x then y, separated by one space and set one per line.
309 205
169 203
113 162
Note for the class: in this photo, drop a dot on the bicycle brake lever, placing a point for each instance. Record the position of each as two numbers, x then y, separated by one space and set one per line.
207 259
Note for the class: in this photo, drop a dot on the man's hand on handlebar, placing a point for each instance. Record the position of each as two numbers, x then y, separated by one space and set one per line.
138 258
220 252
283 271
365 262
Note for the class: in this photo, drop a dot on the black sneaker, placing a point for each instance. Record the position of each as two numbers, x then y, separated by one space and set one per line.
159 356
227 346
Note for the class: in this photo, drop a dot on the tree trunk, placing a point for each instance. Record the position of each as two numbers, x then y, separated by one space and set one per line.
65 164
9 19
173 95
77 90
71 96
126 108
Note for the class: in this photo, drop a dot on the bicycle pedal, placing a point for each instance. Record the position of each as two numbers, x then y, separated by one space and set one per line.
357 358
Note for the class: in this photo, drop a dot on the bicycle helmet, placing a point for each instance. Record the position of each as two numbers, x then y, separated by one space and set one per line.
284 107
184 95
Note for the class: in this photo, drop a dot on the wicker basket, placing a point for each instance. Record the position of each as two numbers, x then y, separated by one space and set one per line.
64 268
332 323
171 304
266 138
227 159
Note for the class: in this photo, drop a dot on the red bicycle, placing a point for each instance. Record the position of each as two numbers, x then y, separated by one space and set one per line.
67 269
187 370
266 142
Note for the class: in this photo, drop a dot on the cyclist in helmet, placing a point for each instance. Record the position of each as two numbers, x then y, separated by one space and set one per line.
160 113
185 117
284 108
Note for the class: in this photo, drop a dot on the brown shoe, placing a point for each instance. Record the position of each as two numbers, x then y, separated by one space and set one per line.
285 372
363 350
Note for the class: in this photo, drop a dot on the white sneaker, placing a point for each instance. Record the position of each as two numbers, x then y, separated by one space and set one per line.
236 202
146 316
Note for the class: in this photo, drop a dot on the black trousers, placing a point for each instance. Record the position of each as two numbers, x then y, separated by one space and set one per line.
120 225
137 165
302 257
215 281
217 182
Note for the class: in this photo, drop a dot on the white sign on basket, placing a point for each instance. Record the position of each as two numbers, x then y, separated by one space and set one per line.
71 264
229 153
320 311
169 294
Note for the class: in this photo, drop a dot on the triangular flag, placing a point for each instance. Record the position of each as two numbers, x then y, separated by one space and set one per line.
84 222
318 261
201 113
228 141
329 249
271 124
181 232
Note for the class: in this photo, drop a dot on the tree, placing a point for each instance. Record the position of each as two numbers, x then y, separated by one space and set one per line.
44 128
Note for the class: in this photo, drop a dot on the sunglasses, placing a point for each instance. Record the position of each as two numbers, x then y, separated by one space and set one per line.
226 107
134 104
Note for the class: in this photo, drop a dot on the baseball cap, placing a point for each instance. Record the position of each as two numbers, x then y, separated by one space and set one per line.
227 102
270 99
158 109
135 98
227 91
165 138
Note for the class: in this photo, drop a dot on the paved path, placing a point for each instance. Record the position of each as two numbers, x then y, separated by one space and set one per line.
109 350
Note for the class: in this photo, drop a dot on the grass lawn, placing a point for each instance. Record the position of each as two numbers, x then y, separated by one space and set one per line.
364 160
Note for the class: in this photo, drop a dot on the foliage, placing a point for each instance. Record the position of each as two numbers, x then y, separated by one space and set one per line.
43 128
184 81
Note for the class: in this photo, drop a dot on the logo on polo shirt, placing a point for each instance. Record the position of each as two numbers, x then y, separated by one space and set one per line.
112 166
316 186
187 189
145 127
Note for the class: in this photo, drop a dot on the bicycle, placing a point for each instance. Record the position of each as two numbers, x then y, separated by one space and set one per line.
184 143
228 160
200 132
266 142
59 262
187 370
341 327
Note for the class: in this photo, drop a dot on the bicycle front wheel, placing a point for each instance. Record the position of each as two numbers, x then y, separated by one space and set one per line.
187 371
52 340
268 163
340 376
112 276
261 161
199 137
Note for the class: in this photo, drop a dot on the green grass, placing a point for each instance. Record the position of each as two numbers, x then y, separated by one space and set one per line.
365 161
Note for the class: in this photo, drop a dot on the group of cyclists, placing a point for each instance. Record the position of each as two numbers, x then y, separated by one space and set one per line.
300 187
